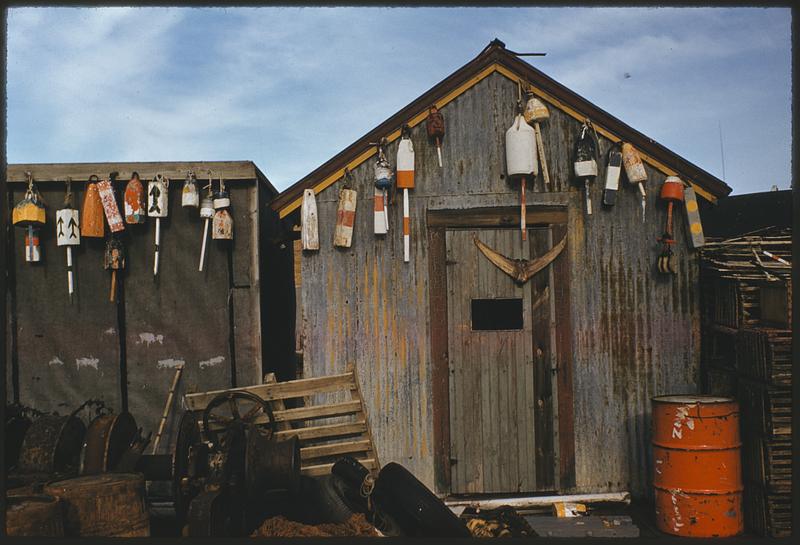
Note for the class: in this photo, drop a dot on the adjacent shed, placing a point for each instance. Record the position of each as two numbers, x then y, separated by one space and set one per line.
557 397
125 353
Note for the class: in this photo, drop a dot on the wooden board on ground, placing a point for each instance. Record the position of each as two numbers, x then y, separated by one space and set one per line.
588 526
344 431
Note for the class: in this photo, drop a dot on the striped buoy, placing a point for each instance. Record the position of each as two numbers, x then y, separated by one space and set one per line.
345 214
383 181
405 181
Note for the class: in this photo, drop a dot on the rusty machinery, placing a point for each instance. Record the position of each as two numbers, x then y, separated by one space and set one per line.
224 469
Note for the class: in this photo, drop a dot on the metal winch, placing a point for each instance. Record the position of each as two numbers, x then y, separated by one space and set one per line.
225 462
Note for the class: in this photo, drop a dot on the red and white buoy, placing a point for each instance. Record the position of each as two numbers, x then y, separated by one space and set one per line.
110 208
68 232
521 159
345 213
383 181
405 181
157 207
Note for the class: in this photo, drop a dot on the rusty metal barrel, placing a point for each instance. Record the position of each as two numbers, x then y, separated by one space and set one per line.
34 515
107 505
697 465
52 444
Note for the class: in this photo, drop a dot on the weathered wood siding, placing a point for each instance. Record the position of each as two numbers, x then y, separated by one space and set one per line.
635 335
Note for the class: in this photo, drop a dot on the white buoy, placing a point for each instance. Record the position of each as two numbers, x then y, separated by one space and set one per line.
157 207
206 213
383 181
68 234
309 224
521 159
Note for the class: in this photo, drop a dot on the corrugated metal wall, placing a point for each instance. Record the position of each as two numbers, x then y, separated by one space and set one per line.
635 335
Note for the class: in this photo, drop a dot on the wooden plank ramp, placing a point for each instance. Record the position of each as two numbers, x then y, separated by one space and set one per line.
321 443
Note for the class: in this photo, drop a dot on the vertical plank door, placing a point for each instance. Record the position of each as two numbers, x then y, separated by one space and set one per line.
492 396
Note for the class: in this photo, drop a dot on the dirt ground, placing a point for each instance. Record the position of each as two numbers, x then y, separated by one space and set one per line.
280 526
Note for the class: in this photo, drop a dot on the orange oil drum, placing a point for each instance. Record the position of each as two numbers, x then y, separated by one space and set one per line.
697 466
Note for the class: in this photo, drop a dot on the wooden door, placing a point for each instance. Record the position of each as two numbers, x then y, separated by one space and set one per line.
491 365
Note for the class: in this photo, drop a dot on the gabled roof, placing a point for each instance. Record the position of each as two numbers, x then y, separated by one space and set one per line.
496 58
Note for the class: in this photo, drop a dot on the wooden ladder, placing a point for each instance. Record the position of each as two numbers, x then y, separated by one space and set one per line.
321 444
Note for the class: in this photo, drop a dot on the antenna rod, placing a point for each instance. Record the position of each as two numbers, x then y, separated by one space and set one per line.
721 150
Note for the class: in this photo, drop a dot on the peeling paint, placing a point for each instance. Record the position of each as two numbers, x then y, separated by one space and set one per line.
150 338
55 361
87 362
169 363
109 331
212 362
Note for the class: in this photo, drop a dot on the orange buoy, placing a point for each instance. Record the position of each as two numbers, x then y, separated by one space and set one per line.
93 223
697 466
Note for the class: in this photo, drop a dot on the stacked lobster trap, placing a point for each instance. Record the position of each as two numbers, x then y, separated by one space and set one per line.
747 354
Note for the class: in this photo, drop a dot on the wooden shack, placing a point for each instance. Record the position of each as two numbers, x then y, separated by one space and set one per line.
61 353
555 398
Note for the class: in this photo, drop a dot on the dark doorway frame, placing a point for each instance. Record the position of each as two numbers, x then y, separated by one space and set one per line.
438 221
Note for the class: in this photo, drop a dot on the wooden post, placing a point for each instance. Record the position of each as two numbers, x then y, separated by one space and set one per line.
167 406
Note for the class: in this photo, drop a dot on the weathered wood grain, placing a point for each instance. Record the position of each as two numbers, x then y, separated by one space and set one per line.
634 335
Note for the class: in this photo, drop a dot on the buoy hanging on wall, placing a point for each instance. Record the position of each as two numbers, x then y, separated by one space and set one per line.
134 201
383 181
206 214
693 217
223 221
635 172
93 223
114 260
68 233
535 113
585 160
345 213
612 175
110 208
434 125
521 160
672 192
157 207
29 214
190 197
309 226
405 181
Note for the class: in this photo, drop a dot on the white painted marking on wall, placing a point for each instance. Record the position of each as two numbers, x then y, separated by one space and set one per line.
212 362
109 331
87 362
169 363
150 338
55 361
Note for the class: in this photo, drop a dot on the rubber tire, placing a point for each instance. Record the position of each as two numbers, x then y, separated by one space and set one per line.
351 474
414 510
319 501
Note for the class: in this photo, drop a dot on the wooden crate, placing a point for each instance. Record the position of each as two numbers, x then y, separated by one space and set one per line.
775 300
765 411
765 355
720 381
327 431
768 463
765 513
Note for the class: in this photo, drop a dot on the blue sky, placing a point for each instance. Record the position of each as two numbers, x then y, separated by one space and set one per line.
290 87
